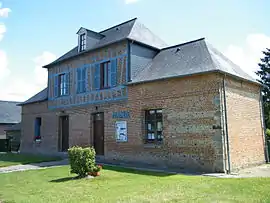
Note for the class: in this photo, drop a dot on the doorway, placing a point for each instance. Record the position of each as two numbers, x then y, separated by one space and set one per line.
64 134
98 121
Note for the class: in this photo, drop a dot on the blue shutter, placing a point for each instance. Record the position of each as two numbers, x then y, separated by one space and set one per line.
114 72
86 78
83 80
67 83
109 74
56 86
91 87
97 76
78 80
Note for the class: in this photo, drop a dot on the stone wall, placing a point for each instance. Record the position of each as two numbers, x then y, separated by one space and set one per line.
191 109
245 129
49 129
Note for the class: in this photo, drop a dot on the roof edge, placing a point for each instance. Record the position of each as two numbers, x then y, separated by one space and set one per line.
177 45
87 51
10 101
81 53
118 25
142 44
199 73
25 103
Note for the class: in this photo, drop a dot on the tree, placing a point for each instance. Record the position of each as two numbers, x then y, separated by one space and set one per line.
264 74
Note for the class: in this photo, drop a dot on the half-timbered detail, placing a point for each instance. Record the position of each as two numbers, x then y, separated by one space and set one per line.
137 100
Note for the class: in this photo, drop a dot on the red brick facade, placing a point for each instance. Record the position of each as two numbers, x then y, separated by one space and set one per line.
245 127
193 120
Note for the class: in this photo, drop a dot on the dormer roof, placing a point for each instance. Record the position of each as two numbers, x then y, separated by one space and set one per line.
132 30
90 33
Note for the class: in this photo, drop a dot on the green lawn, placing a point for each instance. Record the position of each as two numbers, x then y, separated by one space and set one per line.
123 185
10 159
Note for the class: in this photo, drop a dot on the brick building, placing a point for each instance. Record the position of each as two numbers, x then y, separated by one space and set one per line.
135 99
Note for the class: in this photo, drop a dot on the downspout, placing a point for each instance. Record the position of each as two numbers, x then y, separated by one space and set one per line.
264 128
226 127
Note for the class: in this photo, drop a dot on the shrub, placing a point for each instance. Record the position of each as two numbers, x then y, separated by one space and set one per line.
82 160
268 134
97 168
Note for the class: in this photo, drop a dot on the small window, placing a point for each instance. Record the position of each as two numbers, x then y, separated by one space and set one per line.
37 129
63 84
154 126
82 42
104 73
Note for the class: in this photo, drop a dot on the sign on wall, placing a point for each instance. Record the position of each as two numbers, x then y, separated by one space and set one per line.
120 114
121 131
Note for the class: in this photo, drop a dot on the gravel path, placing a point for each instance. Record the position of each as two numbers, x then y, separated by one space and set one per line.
33 166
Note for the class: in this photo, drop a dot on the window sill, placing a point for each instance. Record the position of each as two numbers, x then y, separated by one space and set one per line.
62 96
152 145
81 93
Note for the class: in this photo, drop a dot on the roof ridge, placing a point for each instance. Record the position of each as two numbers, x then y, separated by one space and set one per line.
117 25
181 44
9 101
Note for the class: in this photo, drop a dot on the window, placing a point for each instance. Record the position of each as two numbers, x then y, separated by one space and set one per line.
154 126
63 87
104 72
81 79
37 129
82 42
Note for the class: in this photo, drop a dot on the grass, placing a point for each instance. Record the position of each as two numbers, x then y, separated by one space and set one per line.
125 185
10 159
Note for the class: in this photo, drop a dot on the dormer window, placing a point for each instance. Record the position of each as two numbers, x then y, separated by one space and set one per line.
82 42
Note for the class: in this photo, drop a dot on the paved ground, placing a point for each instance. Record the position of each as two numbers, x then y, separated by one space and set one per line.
258 171
33 166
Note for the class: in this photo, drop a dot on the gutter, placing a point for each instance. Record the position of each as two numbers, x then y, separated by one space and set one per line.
193 74
226 129
264 128
96 48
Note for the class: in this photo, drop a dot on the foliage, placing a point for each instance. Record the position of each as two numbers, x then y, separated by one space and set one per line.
82 160
268 134
264 74
97 168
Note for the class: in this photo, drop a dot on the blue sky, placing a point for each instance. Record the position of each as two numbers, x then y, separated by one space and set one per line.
33 32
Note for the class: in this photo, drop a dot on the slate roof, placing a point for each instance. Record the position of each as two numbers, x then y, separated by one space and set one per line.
132 30
193 57
10 112
181 60
39 97
15 127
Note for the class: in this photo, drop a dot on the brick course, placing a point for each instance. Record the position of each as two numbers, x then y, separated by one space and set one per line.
246 140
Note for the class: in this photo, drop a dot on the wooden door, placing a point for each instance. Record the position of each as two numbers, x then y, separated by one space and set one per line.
64 133
99 133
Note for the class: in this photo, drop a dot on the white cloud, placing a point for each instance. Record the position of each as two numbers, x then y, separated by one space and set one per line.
4 71
22 87
41 73
248 56
2 30
4 11
131 1
18 89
